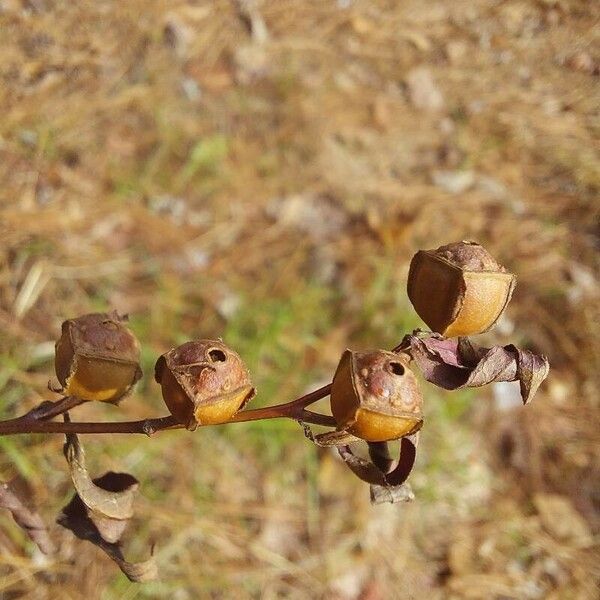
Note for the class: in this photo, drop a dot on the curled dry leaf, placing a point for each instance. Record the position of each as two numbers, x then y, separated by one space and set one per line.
101 510
25 517
75 516
386 475
329 438
362 468
391 494
383 472
108 503
459 363
379 452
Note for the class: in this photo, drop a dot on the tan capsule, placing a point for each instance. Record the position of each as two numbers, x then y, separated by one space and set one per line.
97 358
375 396
459 289
203 382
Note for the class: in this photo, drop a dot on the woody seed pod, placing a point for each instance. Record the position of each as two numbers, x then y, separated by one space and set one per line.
203 382
97 357
375 396
459 289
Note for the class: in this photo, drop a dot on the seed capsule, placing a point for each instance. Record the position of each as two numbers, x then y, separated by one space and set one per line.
203 382
459 289
375 396
97 358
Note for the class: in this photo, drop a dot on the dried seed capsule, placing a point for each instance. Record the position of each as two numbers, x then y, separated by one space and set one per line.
97 357
375 396
459 289
203 382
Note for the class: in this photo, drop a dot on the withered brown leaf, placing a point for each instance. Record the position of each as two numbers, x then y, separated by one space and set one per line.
101 509
109 503
362 468
459 363
391 494
26 517
329 438
76 517
383 471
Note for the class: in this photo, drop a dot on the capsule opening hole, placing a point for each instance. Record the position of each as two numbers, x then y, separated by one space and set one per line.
217 355
396 368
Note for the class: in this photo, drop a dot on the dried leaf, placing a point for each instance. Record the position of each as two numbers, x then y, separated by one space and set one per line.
329 438
75 517
381 457
395 474
363 469
458 363
101 509
406 461
114 503
391 494
26 518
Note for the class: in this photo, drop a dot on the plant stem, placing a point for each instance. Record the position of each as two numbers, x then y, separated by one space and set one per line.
37 420
296 409
147 426
44 411
49 410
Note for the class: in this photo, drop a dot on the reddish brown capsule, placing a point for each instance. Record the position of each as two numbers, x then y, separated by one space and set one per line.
459 289
97 357
203 382
375 396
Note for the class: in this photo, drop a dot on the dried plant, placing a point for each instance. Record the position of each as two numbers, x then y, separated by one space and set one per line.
458 290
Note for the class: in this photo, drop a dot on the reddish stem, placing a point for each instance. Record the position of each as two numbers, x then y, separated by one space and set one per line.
45 411
49 410
296 409
293 410
147 426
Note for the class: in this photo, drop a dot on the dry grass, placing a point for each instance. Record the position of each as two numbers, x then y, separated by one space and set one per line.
160 159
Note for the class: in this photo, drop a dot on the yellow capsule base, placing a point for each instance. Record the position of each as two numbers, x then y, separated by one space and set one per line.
486 295
223 409
100 380
377 427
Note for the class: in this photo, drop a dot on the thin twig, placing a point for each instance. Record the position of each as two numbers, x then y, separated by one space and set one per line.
292 410
49 410
43 412
29 520
147 426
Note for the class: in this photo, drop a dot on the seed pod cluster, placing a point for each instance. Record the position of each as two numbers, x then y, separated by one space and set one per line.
97 357
375 396
203 382
459 289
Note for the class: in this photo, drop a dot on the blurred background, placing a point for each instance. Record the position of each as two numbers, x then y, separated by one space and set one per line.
264 171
